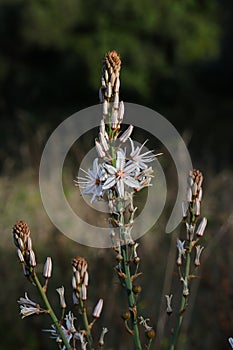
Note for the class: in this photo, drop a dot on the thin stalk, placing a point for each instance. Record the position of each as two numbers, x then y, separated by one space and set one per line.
50 310
131 300
128 284
86 325
183 302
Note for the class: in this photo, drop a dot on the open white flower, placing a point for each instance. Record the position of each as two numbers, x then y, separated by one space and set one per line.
92 183
140 159
121 175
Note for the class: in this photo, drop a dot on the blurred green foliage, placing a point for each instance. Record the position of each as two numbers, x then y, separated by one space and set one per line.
50 64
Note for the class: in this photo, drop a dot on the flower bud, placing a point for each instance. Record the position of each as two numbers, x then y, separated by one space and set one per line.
47 268
32 258
201 227
98 308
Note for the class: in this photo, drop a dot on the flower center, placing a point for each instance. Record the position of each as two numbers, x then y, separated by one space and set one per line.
120 174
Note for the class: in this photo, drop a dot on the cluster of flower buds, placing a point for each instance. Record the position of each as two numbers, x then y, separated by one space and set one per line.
194 191
23 242
79 279
191 212
110 80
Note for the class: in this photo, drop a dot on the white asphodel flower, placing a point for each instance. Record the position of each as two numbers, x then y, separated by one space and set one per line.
26 301
91 184
121 175
30 310
55 335
140 159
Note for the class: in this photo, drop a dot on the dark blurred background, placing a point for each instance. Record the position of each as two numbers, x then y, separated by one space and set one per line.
176 59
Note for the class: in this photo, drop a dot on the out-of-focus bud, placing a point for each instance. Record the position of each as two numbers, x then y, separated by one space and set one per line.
20 255
169 302
114 119
125 136
201 227
47 272
86 278
98 308
101 339
61 292
84 292
32 258
197 208
199 249
121 111
105 107
184 210
99 149
117 84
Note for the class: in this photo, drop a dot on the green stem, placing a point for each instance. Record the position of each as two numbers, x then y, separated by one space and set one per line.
86 325
183 302
131 300
50 310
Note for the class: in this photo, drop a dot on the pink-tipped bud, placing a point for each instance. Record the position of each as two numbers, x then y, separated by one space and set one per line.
114 119
184 209
99 149
189 195
125 136
121 111
29 243
47 273
86 278
103 142
98 308
116 100
197 207
199 196
105 107
201 227
32 258
84 292
20 255
117 84
108 92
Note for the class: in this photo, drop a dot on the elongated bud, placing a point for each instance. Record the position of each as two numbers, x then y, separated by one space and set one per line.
47 273
116 101
84 292
20 255
117 85
108 92
114 119
121 111
101 339
199 249
197 208
189 195
32 258
101 98
199 196
103 142
86 278
99 149
61 292
98 308
125 136
201 227
184 210
105 107
29 243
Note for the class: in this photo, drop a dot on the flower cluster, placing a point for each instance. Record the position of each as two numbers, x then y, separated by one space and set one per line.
117 170
23 243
